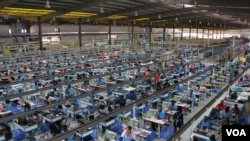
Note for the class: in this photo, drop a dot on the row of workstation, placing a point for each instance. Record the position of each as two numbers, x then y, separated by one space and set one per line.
52 120
210 87
66 90
144 134
19 72
182 97
229 111
20 88
82 53
50 70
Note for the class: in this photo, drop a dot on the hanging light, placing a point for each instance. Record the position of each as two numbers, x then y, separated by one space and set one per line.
189 21
199 22
136 13
176 19
208 23
215 24
101 10
10 30
159 16
88 20
47 5
18 20
220 25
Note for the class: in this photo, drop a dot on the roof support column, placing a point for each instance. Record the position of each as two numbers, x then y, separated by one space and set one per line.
173 34
212 33
220 34
150 35
217 32
164 33
190 32
197 31
203 32
109 33
132 33
40 33
80 31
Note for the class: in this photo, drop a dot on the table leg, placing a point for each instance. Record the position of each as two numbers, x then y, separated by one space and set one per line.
159 130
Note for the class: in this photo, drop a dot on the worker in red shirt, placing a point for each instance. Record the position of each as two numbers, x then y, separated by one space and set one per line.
158 79
221 106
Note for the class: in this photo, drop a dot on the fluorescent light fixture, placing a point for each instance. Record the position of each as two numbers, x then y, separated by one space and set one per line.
159 21
142 19
76 15
188 5
24 12
116 17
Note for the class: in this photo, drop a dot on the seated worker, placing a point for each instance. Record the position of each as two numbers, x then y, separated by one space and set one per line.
99 81
103 109
219 76
205 123
214 114
109 91
173 106
37 118
79 119
111 78
122 101
211 138
236 110
147 75
224 73
161 114
70 90
221 106
227 114
127 135
85 85
9 105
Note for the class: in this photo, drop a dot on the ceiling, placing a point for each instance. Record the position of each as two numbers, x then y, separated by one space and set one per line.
228 14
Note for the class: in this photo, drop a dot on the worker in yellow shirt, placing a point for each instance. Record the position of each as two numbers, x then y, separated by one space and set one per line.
243 59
